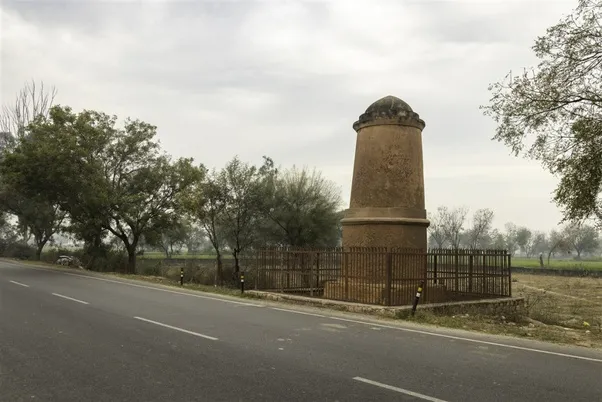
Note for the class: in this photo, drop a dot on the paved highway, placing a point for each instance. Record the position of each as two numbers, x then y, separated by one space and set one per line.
76 336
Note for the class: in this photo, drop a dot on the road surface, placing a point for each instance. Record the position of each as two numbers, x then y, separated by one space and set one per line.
73 336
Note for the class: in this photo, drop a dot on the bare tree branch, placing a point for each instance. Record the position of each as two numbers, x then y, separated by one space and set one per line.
32 101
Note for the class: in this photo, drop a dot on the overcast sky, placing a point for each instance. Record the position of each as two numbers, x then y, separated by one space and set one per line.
288 79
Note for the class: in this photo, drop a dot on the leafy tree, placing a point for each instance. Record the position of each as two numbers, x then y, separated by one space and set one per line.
582 238
106 178
246 191
42 218
553 113
523 238
197 239
33 100
206 203
305 209
498 240
511 237
536 242
169 239
557 242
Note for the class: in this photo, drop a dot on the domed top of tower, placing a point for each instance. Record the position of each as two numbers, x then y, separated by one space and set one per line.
389 110
389 104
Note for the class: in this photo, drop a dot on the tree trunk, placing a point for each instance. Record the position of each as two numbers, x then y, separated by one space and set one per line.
219 276
131 268
40 243
236 264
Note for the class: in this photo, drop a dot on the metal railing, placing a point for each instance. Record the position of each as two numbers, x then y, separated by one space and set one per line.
384 276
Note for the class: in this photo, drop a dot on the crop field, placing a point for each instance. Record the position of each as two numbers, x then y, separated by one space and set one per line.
558 264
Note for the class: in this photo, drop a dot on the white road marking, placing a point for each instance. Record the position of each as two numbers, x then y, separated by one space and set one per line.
19 283
298 312
459 338
146 287
70 298
334 318
177 329
400 390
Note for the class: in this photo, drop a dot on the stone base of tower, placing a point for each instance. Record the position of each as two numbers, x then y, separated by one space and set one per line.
376 292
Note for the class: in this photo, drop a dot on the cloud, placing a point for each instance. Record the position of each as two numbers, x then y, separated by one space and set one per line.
289 78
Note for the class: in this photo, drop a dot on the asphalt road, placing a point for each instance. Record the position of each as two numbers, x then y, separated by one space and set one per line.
73 336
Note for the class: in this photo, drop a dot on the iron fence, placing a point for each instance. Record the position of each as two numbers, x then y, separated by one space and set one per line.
384 276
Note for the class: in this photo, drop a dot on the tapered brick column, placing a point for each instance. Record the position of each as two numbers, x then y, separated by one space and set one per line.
387 193
386 209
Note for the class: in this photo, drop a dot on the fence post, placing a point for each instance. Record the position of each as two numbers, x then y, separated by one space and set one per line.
485 281
318 270
470 266
346 289
457 269
311 279
435 268
389 279
509 275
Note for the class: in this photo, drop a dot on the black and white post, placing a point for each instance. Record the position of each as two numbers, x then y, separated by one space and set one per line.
417 298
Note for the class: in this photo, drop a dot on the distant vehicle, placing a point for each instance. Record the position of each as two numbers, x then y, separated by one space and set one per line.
69 261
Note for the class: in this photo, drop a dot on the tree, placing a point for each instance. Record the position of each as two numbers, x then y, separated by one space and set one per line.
557 242
536 243
557 109
582 238
305 209
498 240
32 101
42 218
477 235
105 178
511 237
246 195
523 238
452 224
206 203
169 239
436 233
197 241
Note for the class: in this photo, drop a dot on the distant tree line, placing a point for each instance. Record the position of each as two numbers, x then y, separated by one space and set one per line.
111 187
454 228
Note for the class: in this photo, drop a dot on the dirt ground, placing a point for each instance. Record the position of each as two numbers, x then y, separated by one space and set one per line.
557 309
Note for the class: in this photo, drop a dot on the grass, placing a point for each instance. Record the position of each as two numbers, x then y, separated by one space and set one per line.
557 309
558 264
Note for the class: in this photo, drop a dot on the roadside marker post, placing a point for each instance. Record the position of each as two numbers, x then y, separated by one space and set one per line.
182 276
242 282
417 298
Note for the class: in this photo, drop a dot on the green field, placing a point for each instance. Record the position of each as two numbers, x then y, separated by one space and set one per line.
557 264
516 261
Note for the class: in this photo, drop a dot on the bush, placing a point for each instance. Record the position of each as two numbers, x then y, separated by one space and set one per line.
20 251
